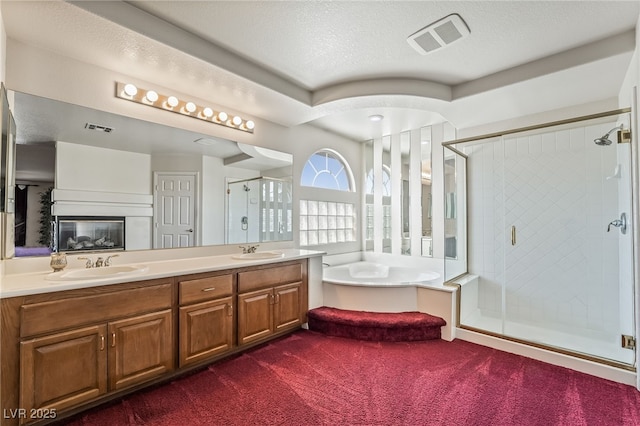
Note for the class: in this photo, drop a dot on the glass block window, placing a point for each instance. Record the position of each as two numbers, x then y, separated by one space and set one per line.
328 170
369 212
326 222
386 222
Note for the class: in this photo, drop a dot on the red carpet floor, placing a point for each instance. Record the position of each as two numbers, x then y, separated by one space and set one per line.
312 379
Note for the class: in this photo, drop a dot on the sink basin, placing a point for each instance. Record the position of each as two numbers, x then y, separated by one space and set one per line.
258 255
97 273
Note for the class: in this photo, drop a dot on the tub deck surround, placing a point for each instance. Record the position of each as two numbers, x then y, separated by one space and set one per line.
389 283
27 283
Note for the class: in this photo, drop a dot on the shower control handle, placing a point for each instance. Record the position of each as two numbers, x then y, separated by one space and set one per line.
619 223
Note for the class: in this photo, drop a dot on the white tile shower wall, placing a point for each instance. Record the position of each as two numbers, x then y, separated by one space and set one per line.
563 270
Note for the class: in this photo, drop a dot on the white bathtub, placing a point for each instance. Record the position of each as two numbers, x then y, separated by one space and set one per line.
389 283
376 274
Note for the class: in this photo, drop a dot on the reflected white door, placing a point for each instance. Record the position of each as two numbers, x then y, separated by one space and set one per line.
175 203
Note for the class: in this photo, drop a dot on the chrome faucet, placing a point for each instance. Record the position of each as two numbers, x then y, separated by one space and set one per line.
88 263
100 262
249 249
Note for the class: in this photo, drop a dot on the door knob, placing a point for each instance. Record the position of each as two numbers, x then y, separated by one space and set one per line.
190 230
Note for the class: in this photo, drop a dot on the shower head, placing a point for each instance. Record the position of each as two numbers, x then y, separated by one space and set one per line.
605 139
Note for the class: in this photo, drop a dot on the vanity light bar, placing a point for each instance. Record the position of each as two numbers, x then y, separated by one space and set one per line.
152 98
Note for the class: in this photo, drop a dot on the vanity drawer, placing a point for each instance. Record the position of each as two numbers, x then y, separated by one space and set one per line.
208 288
269 277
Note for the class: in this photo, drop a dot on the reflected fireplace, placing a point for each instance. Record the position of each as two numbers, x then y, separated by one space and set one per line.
89 233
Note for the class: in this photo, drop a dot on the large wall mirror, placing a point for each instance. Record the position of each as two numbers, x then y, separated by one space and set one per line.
455 213
397 201
172 187
425 186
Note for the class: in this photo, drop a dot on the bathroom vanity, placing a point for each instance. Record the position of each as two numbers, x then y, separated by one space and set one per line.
66 350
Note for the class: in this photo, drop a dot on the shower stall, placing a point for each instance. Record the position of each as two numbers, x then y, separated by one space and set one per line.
550 237
258 210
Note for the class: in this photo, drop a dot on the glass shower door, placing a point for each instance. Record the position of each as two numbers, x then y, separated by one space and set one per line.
567 273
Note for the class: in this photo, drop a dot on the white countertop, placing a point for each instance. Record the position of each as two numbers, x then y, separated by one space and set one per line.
23 284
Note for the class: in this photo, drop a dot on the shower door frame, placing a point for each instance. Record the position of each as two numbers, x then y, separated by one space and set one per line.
453 145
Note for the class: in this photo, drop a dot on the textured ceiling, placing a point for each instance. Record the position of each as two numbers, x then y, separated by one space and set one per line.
333 63
322 43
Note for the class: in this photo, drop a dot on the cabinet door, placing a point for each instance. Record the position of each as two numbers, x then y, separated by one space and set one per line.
286 309
255 315
140 349
63 369
206 329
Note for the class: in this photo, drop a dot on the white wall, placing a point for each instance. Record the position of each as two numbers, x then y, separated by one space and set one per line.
84 168
628 96
3 49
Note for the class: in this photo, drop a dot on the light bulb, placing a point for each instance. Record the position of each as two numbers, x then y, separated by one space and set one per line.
130 89
207 112
376 117
222 116
250 125
151 96
237 120
172 101
190 107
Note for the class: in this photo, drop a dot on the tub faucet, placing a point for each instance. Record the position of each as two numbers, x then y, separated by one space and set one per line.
99 262
107 262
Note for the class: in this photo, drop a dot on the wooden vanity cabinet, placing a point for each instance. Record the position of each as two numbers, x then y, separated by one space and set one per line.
271 300
140 349
64 362
206 317
66 350
63 369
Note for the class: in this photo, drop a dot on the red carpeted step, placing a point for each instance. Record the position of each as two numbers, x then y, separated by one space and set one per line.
375 326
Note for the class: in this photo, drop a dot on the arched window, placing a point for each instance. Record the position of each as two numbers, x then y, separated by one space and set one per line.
327 217
328 170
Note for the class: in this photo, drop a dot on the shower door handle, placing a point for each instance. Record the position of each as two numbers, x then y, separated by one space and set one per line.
513 235
619 223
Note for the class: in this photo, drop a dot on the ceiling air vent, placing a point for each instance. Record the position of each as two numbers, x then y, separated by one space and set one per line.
98 127
439 34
